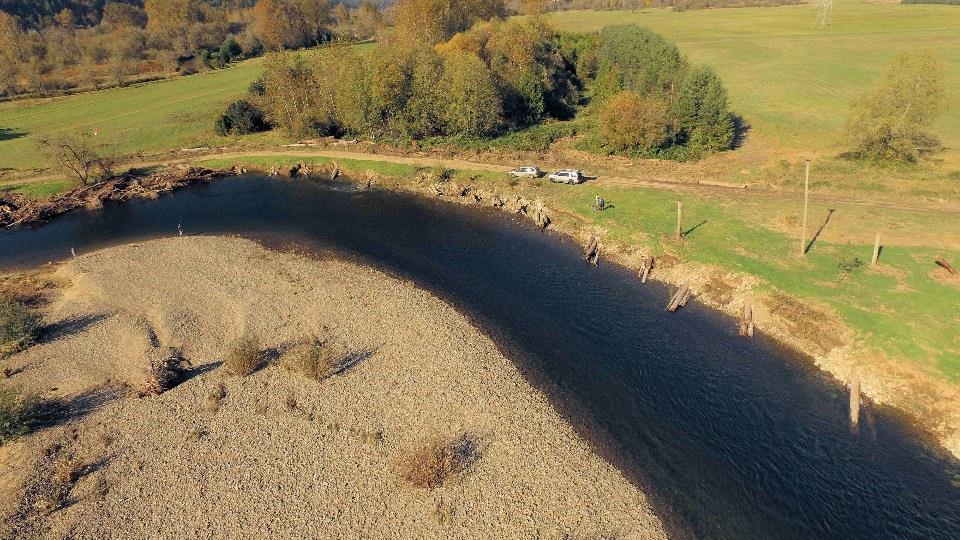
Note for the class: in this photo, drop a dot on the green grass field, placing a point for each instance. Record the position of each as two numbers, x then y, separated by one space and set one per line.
162 115
793 82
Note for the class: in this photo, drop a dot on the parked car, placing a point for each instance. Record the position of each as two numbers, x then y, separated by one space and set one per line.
526 172
568 176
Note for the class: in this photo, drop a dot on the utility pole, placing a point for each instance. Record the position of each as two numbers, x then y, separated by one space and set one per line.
806 202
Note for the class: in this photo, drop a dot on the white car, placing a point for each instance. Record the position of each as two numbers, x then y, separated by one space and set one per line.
568 176
526 172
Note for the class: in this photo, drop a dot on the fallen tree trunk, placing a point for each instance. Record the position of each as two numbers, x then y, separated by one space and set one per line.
943 263
679 299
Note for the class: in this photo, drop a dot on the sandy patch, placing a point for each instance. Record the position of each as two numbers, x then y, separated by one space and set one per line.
283 456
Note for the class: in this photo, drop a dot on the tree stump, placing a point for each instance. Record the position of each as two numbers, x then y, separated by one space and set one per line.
541 216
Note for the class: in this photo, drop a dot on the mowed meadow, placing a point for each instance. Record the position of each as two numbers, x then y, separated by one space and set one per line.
155 116
792 81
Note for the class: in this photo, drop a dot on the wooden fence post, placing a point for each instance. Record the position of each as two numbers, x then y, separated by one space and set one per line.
806 201
679 220
876 251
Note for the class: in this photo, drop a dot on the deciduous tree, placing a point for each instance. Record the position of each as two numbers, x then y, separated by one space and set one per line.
631 123
891 123
280 24
80 154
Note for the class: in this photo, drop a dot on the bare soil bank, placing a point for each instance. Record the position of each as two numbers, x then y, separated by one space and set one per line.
283 456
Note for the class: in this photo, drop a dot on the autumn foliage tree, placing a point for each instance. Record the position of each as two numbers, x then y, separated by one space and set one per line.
169 20
434 21
631 123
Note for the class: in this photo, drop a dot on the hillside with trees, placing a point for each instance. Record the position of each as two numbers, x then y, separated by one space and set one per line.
55 46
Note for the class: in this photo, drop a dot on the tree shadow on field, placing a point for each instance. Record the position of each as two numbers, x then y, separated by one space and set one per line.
740 129
7 134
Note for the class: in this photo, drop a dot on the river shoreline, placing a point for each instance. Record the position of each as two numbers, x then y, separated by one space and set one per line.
811 331
808 329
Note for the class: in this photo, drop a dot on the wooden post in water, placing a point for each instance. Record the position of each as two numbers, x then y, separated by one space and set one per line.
876 251
679 220
647 266
806 201
746 320
854 401
679 299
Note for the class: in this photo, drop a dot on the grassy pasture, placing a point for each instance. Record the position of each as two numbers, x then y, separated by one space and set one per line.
169 114
793 82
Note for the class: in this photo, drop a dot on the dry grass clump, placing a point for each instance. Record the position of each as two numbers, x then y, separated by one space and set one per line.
245 356
165 373
432 465
17 414
315 359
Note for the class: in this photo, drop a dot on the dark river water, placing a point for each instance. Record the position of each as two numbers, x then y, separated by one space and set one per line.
731 438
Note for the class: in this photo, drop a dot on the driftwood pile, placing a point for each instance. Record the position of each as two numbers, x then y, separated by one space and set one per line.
679 299
19 210
592 253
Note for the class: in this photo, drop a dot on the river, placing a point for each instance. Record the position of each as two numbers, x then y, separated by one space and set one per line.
731 438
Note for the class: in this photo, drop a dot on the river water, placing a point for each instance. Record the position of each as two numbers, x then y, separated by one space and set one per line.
731 438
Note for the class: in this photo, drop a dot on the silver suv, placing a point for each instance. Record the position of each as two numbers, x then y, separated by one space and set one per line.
526 172
568 176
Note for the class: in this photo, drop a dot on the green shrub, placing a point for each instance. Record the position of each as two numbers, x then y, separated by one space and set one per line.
18 326
17 412
241 118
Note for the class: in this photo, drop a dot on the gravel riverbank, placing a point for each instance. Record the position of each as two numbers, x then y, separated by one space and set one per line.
279 455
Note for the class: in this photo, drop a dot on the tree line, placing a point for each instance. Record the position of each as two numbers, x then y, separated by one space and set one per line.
448 72
95 43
